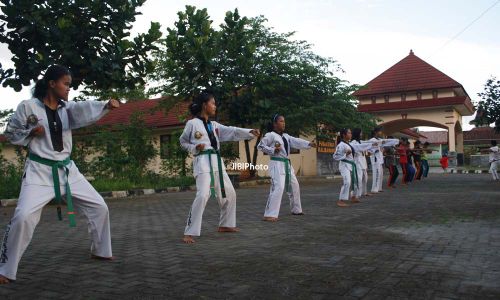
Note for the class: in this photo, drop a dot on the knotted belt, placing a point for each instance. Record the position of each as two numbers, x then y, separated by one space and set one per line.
287 172
56 165
209 152
354 172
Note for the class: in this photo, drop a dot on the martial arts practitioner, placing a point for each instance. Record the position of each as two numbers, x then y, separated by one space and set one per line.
494 158
392 164
44 124
344 155
361 166
277 144
377 158
201 138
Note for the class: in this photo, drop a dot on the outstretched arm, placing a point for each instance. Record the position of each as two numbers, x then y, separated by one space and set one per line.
389 142
230 133
85 113
297 143
362 146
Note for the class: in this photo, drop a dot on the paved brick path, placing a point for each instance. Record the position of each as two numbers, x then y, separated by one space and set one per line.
439 239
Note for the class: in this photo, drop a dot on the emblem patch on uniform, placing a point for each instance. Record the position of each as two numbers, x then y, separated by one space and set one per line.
198 135
32 120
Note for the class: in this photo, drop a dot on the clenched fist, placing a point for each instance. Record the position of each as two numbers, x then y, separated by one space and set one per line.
112 104
37 131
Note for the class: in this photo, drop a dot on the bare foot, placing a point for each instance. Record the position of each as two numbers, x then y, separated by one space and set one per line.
381 191
355 200
368 195
270 219
342 203
188 239
102 258
228 229
4 280
298 214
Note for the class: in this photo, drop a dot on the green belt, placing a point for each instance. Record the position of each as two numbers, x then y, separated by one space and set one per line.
354 172
209 152
56 165
287 172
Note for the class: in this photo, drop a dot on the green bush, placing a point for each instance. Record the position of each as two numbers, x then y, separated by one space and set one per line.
11 174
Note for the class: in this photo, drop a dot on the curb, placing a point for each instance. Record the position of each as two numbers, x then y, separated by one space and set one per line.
139 192
469 171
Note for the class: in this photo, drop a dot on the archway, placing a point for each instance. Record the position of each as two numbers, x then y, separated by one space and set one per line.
393 126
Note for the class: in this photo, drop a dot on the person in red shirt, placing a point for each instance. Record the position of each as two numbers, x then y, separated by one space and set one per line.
444 162
403 159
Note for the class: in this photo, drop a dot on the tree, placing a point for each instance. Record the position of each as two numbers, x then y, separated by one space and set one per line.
185 63
488 110
91 38
254 72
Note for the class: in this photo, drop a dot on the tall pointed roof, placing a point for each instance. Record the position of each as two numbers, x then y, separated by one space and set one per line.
409 74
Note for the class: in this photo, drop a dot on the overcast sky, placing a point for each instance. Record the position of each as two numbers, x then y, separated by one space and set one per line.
365 37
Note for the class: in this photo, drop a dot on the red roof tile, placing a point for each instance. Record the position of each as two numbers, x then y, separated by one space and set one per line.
409 74
448 101
412 133
481 133
435 137
152 118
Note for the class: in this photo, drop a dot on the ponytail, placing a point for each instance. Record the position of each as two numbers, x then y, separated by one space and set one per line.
197 105
54 72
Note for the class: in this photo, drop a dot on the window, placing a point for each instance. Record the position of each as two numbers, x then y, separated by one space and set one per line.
403 97
434 94
165 141
419 95
386 98
374 99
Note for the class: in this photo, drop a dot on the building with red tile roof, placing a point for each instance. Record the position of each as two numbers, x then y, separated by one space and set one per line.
413 93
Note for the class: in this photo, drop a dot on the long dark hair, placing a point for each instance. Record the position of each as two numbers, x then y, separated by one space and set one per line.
54 72
270 125
197 105
356 134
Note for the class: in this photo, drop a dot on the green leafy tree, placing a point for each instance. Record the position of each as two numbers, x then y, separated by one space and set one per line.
488 108
185 63
254 72
91 38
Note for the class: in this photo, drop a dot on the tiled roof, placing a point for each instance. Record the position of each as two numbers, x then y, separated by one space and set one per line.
152 118
409 74
412 133
435 137
481 133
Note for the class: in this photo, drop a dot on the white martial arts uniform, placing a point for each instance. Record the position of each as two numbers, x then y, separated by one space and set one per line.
377 161
494 162
195 133
362 168
277 172
345 168
37 187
